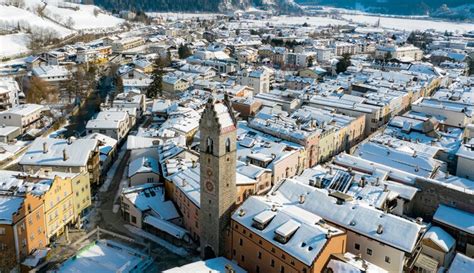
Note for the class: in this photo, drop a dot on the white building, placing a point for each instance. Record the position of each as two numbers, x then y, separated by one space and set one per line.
113 124
9 90
404 53
259 80
23 116
451 113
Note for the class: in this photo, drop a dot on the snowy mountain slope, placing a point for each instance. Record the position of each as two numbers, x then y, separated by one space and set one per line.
13 44
12 17
19 20
83 16
199 5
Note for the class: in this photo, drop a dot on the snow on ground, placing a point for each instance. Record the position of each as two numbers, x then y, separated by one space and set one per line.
13 44
176 16
84 17
13 17
314 21
410 24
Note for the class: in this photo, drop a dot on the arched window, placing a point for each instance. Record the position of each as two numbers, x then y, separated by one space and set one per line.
210 145
227 145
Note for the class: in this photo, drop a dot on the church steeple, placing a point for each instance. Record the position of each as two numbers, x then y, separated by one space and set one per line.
218 131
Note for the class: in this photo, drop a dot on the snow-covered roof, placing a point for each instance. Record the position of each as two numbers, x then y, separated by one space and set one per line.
150 197
350 263
215 265
50 152
440 237
9 205
144 164
306 239
24 109
461 264
456 218
106 143
358 217
166 226
106 257
223 115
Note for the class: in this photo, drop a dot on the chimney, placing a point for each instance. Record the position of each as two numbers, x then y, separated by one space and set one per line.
330 170
379 229
69 140
45 147
419 220
385 188
362 182
446 175
65 157
377 181
228 269
274 208
302 198
414 153
318 182
241 212
183 183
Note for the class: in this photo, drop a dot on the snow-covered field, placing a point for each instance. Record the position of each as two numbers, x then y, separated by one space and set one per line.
410 24
13 44
176 16
11 17
293 20
60 18
84 17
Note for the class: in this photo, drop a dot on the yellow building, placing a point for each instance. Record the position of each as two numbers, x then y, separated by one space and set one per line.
58 205
81 193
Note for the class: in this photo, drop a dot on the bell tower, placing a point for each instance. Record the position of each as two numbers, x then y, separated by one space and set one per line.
218 129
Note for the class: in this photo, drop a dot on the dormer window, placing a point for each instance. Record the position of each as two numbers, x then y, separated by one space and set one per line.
284 233
261 220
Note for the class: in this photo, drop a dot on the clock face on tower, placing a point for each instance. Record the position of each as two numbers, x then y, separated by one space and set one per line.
209 186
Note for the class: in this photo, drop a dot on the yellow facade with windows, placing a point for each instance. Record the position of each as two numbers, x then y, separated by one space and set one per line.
58 206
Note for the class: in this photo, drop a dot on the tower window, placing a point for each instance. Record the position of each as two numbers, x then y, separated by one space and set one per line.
227 145
210 145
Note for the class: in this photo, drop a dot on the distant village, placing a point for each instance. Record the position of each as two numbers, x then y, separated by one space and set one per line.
235 147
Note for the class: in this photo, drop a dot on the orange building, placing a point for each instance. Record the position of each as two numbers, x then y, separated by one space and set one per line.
22 226
284 239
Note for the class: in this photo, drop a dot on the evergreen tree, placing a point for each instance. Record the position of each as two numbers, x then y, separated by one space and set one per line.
155 88
344 63
184 51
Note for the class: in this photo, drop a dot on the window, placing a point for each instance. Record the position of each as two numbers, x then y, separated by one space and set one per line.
242 258
134 219
241 242
257 269
387 259
2 231
227 145
357 246
282 269
210 145
369 251
260 255
272 263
